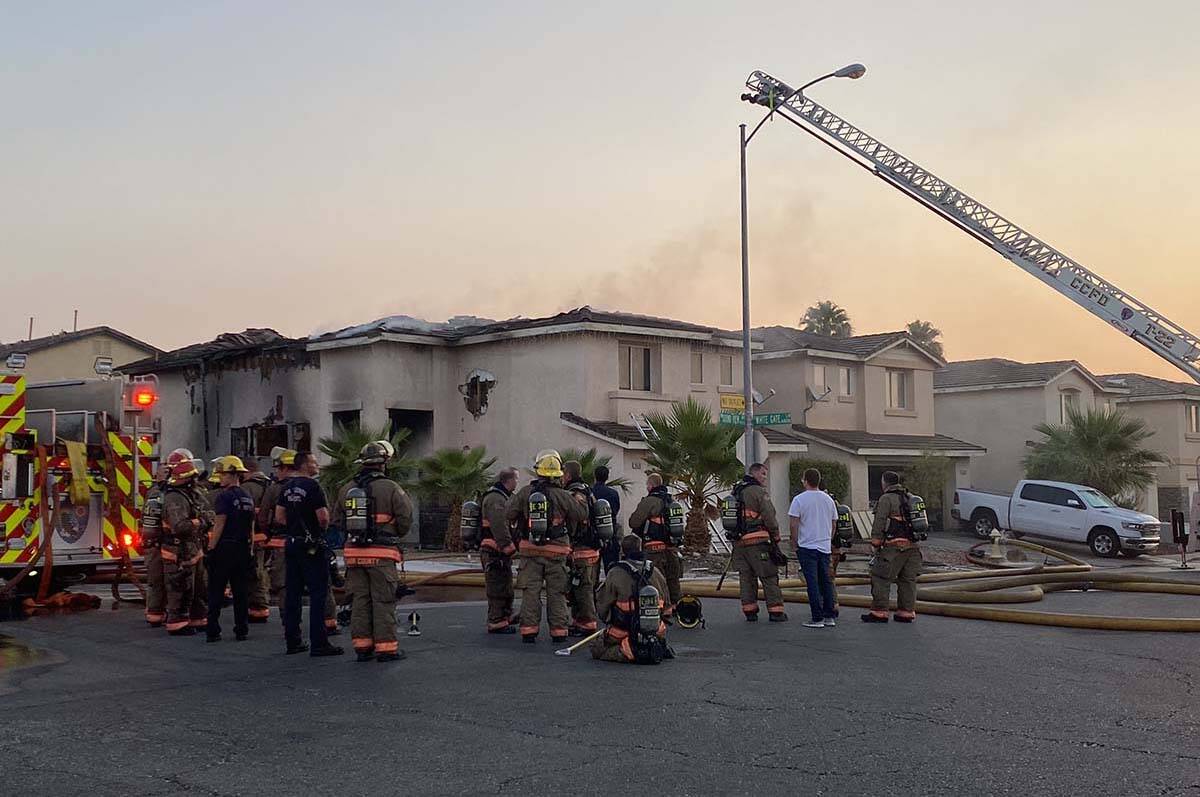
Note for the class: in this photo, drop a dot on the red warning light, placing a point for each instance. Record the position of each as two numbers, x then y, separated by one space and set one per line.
127 538
144 397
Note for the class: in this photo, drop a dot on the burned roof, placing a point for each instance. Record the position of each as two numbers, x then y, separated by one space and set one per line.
226 346
779 338
994 371
1142 386
462 328
858 442
58 338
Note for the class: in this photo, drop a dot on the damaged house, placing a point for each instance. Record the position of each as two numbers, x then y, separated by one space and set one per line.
516 386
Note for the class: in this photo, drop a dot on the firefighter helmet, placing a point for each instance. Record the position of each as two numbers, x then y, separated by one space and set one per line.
283 456
548 464
228 464
374 453
177 456
183 471
388 447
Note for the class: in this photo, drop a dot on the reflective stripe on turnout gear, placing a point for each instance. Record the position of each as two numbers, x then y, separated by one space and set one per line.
753 538
588 555
489 544
655 545
369 555
550 550
750 608
529 630
361 643
387 647
276 542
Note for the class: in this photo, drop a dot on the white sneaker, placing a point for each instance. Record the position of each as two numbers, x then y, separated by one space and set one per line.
814 624
829 623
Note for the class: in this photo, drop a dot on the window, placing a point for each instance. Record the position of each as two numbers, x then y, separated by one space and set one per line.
267 437
845 381
239 441
726 369
820 381
1068 400
346 419
697 368
899 384
301 437
1193 416
1045 494
635 367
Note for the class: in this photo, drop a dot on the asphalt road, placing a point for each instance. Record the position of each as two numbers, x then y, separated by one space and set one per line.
944 706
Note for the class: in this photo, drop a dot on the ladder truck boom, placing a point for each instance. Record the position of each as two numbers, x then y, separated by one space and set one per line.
1089 290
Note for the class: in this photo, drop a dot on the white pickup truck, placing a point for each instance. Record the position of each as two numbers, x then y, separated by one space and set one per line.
1059 511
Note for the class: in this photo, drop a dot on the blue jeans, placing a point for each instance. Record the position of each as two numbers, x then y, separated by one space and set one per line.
311 571
815 566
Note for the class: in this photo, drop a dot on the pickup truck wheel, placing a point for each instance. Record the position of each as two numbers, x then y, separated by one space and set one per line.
1103 542
983 523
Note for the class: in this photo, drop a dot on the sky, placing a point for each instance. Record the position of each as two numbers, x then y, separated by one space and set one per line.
181 170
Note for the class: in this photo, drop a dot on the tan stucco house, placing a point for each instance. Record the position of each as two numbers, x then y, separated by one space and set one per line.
866 401
75 355
574 379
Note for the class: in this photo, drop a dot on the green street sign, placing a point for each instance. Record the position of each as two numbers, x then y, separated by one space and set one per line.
767 419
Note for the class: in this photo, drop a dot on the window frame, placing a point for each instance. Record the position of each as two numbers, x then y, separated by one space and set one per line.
1192 415
848 372
697 366
625 365
820 377
905 376
725 358
1063 401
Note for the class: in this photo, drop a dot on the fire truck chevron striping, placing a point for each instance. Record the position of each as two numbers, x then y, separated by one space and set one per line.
12 403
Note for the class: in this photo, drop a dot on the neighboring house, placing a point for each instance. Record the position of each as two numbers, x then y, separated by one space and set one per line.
999 402
1172 411
865 401
75 355
516 386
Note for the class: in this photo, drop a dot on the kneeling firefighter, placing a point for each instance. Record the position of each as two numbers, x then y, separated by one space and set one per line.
375 513
485 527
631 603
748 517
596 530
548 518
900 523
658 519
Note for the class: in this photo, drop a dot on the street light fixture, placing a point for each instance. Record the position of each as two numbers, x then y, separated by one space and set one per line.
852 71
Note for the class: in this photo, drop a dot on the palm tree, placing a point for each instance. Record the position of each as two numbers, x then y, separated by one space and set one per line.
926 336
343 447
589 459
828 319
697 458
1098 448
454 475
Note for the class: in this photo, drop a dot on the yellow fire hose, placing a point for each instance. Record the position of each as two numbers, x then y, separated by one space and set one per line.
952 594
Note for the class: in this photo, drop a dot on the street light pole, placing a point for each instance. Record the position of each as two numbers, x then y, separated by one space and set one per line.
747 380
852 71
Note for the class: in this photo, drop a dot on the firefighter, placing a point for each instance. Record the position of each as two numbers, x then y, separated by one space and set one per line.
156 589
897 556
229 548
282 464
256 483
547 527
755 546
304 513
373 533
496 548
185 520
619 604
650 522
585 556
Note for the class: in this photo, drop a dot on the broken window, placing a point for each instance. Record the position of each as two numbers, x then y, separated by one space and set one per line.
346 420
239 441
267 437
301 437
475 391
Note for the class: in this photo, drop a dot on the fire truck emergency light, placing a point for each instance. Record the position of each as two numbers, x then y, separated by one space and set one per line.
144 396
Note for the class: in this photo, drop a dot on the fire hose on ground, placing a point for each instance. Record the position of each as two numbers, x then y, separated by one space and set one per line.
958 594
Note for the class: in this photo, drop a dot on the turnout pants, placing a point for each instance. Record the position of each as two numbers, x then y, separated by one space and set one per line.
229 565
583 593
667 562
373 607
498 583
902 566
303 571
179 576
550 572
753 564
607 647
198 614
156 588
259 586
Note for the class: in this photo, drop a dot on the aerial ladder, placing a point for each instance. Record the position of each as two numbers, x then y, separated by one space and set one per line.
1084 287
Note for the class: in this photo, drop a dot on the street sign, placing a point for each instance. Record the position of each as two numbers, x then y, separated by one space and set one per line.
761 449
730 401
766 419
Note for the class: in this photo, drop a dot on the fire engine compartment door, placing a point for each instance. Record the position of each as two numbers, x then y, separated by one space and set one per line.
16 477
77 527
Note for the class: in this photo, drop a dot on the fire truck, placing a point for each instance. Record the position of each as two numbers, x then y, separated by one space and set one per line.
76 460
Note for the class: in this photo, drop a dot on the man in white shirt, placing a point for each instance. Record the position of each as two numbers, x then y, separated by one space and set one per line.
813 520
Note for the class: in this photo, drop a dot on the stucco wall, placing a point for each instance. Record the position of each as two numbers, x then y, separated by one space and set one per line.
919 419
76 359
999 420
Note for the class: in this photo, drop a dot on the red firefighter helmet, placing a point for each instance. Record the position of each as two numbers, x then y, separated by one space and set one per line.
177 456
182 471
